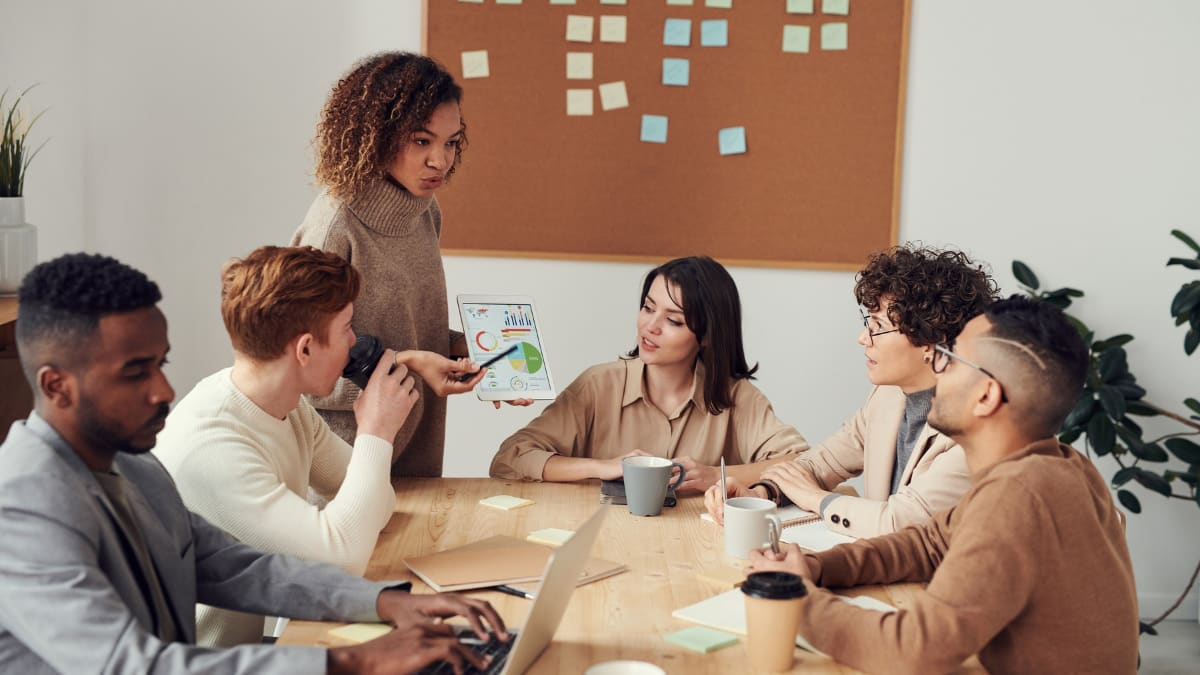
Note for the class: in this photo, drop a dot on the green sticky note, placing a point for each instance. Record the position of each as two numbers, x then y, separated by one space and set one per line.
834 36
841 7
701 639
795 39
799 6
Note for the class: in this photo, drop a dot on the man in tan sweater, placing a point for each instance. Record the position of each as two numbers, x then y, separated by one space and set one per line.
1030 570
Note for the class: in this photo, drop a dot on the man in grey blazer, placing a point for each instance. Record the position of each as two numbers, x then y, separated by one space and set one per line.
100 563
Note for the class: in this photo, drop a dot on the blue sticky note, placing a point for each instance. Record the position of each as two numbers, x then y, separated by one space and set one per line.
714 33
677 33
732 140
654 128
675 72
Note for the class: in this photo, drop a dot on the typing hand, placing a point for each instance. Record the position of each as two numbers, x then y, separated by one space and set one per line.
384 405
699 476
791 558
798 484
407 609
715 504
404 650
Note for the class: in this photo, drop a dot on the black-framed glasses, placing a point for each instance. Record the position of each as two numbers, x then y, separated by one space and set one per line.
941 359
871 333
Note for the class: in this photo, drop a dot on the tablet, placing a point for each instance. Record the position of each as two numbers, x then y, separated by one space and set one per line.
495 324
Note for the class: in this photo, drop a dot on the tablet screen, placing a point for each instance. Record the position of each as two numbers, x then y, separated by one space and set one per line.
495 328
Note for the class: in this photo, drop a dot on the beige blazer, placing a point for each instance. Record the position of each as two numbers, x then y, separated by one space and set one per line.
934 479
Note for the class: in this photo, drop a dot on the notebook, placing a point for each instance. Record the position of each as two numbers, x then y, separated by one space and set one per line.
814 536
790 515
495 561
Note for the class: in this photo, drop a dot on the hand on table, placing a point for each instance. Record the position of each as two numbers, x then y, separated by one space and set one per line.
404 650
798 484
716 505
698 476
381 408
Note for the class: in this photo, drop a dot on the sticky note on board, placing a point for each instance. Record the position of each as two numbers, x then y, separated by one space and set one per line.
361 632
508 2
799 6
702 639
714 33
654 128
732 140
719 4
562 2
475 64
680 3
614 2
579 65
834 36
508 502
613 95
550 536
579 28
675 72
477 2
796 39
839 7
612 29
677 32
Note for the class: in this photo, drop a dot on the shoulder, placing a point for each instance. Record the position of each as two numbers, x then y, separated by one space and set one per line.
602 378
35 480
326 225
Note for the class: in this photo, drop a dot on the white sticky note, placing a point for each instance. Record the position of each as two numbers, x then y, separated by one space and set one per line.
612 29
579 65
834 36
579 28
799 6
475 64
719 4
839 7
579 101
562 2
796 39
505 502
614 2
508 2
681 3
613 96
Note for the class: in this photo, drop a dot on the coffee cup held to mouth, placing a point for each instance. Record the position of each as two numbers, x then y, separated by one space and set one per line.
364 355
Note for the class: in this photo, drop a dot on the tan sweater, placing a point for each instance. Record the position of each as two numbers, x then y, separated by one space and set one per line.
603 414
391 237
1030 571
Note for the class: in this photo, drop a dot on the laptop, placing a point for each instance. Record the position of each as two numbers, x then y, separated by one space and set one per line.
550 601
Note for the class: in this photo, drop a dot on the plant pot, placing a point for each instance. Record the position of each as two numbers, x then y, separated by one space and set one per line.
18 244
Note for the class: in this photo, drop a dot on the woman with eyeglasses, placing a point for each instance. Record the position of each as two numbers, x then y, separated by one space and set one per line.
913 299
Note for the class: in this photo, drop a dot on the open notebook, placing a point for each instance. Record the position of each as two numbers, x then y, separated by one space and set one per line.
495 561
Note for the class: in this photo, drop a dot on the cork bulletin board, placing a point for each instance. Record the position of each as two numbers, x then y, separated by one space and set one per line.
812 180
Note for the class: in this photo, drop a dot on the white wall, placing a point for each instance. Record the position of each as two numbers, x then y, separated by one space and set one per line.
1063 134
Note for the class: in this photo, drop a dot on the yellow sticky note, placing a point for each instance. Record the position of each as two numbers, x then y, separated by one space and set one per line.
579 28
475 64
505 502
579 101
550 536
361 632
579 65
613 96
612 29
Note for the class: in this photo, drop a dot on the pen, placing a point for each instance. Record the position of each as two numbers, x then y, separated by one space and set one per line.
513 591
485 364
724 494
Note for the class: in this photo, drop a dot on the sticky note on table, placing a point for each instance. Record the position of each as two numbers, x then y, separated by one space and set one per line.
613 96
550 536
579 28
840 7
714 33
732 140
799 6
612 29
475 64
719 4
677 32
361 632
579 65
702 639
796 39
508 502
654 128
675 72
834 36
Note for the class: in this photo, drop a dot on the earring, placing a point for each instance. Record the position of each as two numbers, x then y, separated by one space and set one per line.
928 358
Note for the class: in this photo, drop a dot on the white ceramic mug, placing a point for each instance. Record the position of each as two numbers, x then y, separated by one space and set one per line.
750 523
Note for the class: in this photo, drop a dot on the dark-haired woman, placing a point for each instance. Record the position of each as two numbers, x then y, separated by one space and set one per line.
683 392
912 298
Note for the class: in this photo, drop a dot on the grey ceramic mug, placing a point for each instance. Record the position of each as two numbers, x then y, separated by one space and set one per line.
646 480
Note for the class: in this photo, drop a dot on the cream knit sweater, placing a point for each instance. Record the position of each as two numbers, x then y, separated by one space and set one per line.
249 473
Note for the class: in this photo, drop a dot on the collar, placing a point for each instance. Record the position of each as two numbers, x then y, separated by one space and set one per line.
1049 447
635 379
387 208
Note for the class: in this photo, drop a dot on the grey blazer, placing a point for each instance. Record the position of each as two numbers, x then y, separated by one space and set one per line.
69 598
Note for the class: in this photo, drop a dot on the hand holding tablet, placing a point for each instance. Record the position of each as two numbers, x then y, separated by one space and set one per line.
503 335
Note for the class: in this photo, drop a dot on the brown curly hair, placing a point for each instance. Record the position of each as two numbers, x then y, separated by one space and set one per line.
373 111
934 293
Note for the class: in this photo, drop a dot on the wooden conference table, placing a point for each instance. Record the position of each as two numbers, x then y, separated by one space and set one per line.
621 617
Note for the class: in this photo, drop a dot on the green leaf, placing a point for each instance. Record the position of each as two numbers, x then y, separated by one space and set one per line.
1190 263
1190 341
1130 391
1193 404
1112 364
1113 401
1190 479
1132 426
1182 236
1114 341
1186 299
1153 481
1123 476
1024 275
1184 449
1139 408
1080 326
1129 501
1071 435
1150 452
1058 301
1101 434
1081 413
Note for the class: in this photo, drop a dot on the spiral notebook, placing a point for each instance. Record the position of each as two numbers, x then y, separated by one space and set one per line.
790 515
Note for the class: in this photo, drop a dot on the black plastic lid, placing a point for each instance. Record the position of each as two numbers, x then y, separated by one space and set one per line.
364 355
774 586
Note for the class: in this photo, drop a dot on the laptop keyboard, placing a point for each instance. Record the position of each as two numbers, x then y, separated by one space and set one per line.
494 648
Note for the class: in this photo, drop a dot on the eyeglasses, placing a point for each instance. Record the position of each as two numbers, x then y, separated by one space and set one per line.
871 334
941 359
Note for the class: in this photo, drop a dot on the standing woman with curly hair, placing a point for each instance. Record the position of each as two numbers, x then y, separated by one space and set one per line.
911 298
391 134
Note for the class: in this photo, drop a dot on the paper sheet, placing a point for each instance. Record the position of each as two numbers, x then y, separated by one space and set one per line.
814 536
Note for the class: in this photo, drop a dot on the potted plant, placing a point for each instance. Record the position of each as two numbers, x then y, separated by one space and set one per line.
18 239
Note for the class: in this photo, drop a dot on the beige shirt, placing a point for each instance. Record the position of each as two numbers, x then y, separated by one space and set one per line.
604 414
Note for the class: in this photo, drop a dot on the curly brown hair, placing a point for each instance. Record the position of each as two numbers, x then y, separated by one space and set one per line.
373 111
934 293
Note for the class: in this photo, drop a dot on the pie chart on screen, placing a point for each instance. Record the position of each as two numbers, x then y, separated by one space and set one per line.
486 341
527 359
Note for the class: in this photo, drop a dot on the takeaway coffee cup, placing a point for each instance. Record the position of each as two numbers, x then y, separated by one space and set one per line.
365 353
646 480
772 618
750 523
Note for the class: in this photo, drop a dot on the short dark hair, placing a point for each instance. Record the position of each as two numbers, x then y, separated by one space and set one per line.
934 293
712 310
1052 389
61 302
